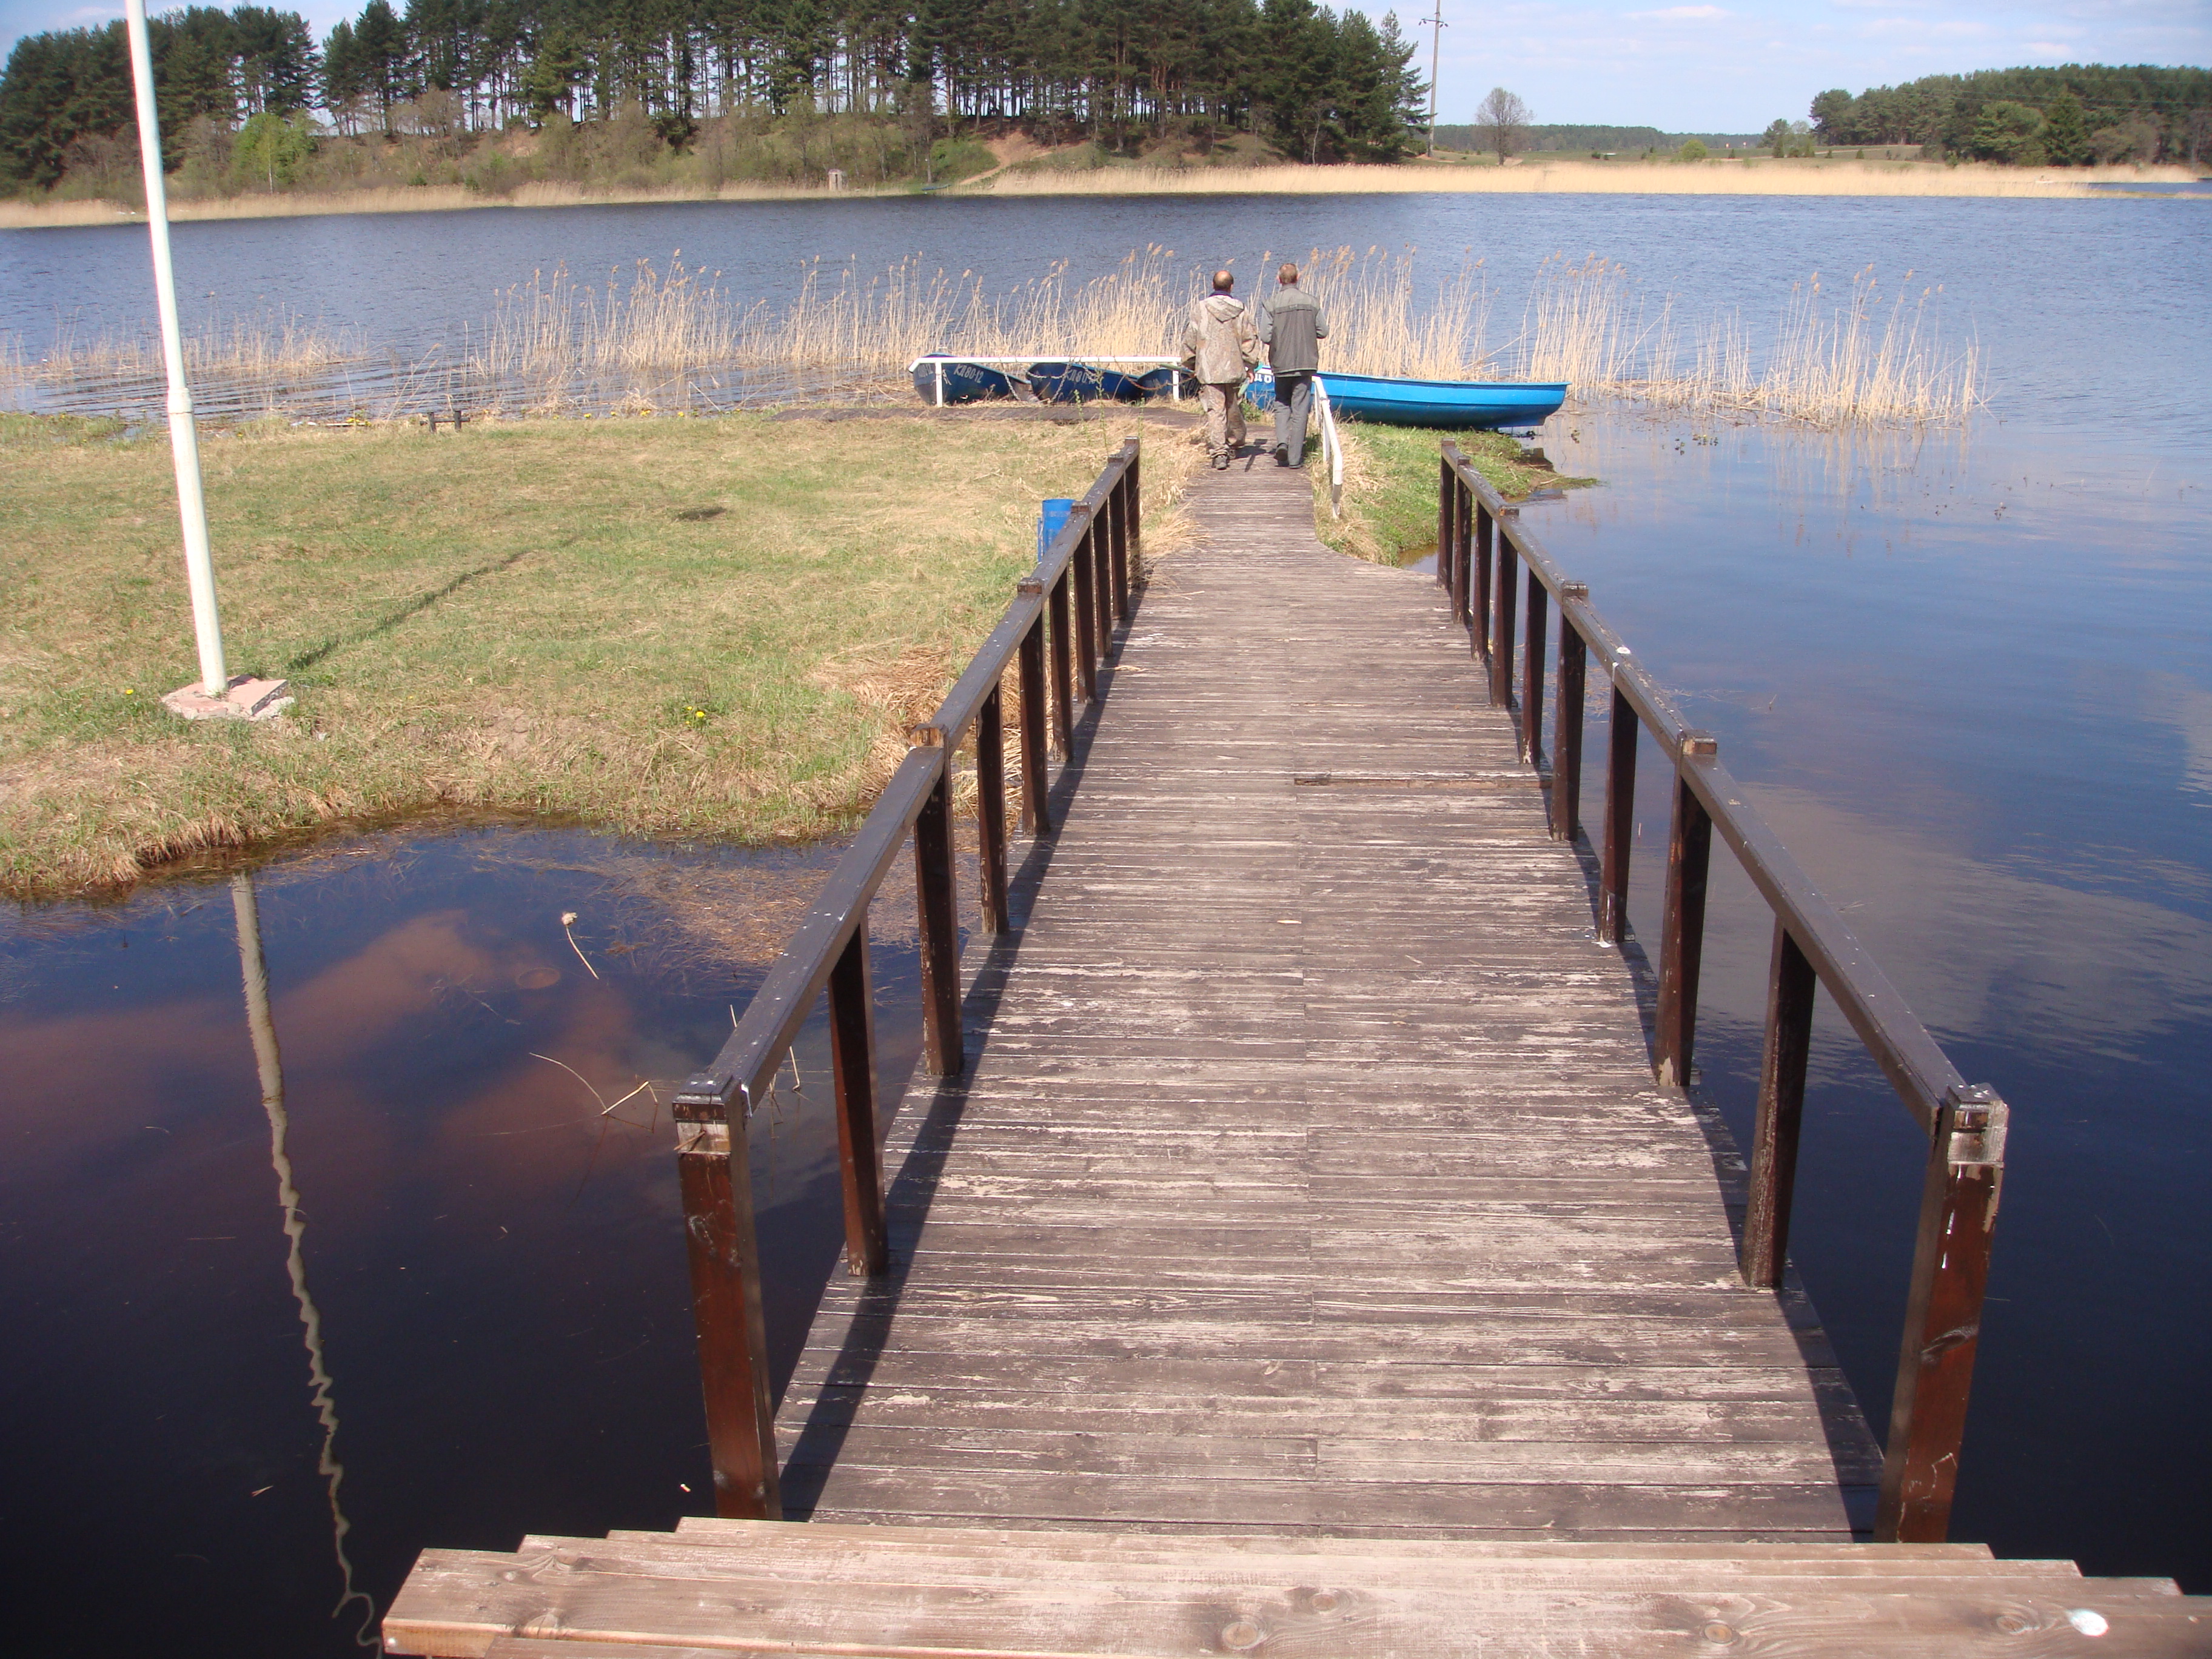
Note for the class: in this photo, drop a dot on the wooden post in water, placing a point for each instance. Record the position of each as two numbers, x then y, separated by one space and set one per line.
1943 1317
860 1145
1682 920
1790 988
715 1178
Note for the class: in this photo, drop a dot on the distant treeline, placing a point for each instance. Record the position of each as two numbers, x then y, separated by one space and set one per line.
2072 114
1319 86
1586 140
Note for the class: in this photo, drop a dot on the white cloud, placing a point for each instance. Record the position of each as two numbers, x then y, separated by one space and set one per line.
1683 14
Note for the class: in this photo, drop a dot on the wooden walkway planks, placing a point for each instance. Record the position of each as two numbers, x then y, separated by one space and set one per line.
1308 1175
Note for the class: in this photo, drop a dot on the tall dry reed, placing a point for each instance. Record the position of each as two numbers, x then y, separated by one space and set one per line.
647 337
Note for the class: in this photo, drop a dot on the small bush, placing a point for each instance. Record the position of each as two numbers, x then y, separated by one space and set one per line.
1693 149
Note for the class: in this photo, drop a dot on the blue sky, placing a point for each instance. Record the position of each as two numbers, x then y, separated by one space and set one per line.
1697 67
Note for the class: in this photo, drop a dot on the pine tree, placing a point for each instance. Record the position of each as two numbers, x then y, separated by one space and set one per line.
2065 132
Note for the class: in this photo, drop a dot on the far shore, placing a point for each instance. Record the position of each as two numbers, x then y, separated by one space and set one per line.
1526 176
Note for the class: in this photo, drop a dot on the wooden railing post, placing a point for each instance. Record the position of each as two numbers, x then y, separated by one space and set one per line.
1567 763
1086 607
1532 675
1501 628
1619 821
1119 506
1101 570
1037 813
1063 673
853 1065
991 811
1943 1317
1443 520
1464 545
1789 987
714 1180
1682 920
1135 480
937 905
1479 610
1447 536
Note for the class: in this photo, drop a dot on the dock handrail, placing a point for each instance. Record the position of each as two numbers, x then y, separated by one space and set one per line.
1081 586
1480 546
1332 447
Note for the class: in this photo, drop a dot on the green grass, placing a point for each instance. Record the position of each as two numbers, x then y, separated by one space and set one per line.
701 628
1390 486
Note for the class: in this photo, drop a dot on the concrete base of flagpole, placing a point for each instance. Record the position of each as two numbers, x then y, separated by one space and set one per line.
248 699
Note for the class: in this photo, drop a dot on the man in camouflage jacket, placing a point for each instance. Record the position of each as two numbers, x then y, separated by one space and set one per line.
1219 347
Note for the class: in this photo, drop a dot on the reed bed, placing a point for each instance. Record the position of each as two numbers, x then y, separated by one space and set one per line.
1658 177
674 338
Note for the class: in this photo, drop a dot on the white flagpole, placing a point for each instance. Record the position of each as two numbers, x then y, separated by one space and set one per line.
183 432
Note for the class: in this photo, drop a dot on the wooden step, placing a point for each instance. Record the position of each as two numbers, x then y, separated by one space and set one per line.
922 1592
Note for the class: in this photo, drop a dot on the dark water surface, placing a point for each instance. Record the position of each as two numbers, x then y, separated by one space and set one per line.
1968 675
285 1305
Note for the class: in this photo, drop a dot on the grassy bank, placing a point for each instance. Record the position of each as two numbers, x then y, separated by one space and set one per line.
696 628
1390 486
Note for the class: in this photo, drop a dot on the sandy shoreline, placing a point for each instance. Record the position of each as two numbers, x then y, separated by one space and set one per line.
1761 178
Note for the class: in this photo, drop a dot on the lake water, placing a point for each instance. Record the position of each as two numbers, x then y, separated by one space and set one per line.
1968 675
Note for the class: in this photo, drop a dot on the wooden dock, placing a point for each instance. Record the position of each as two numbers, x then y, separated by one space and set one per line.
1302 1214
1307 1173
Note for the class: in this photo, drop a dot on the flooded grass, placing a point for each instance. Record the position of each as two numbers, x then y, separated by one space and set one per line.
710 629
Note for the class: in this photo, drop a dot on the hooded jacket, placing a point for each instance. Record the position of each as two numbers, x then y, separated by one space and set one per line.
1220 343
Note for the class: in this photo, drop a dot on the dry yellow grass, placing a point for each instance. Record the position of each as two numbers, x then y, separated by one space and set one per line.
710 629
1708 178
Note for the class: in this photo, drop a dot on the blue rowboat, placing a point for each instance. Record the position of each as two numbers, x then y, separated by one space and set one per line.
1442 402
1125 387
963 382
1066 383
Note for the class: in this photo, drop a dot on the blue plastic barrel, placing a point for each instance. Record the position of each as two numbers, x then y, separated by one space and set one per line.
1051 521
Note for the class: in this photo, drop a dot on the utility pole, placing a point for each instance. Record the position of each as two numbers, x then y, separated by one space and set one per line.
215 696
1436 22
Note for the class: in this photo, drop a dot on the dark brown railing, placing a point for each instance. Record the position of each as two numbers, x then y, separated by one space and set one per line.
1082 585
1480 548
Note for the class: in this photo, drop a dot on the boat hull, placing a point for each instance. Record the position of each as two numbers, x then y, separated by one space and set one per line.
963 382
1445 403
1057 382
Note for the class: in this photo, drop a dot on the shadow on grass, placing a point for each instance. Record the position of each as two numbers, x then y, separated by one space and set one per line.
306 660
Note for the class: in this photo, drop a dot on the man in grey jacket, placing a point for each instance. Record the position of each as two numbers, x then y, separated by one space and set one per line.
1220 348
1292 326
